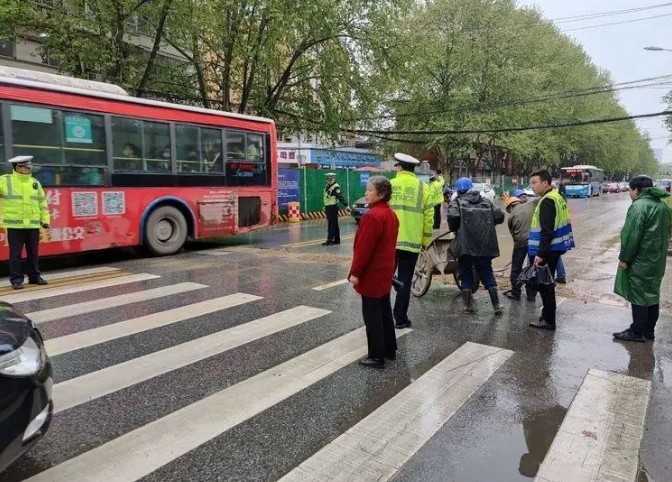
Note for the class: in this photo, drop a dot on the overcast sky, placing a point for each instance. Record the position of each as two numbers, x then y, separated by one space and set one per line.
620 50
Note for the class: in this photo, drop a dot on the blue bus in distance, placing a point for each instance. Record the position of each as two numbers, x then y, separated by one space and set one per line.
582 181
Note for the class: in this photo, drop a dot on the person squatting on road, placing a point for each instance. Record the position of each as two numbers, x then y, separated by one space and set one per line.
411 203
520 218
436 184
23 211
473 219
332 196
550 237
372 269
642 259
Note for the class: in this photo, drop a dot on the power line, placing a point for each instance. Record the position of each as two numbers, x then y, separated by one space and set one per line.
609 13
521 102
587 27
509 129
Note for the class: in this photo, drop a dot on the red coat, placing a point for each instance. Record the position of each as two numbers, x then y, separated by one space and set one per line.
374 257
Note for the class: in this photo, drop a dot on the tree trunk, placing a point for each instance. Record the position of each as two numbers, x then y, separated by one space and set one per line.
155 48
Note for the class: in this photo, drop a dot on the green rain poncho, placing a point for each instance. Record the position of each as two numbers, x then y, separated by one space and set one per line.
644 241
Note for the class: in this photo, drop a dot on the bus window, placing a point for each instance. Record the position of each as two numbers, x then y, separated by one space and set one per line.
84 139
127 144
156 137
187 148
211 142
37 132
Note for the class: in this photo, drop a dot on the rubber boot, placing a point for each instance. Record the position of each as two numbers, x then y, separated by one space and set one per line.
468 302
494 298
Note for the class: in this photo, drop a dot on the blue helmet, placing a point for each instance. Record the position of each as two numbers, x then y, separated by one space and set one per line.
463 185
518 193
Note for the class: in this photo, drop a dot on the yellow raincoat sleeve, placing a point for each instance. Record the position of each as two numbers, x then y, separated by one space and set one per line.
428 217
45 218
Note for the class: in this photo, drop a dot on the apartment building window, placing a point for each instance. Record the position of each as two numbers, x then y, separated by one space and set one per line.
7 48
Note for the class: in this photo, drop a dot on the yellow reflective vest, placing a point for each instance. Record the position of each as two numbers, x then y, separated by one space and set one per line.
436 191
412 204
563 237
23 204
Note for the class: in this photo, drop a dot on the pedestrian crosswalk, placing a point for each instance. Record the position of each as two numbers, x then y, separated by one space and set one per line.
376 447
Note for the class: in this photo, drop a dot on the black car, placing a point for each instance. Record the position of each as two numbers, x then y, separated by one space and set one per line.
359 209
26 383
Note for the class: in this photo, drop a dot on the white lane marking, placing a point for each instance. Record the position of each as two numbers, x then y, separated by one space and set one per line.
600 435
214 252
4 282
380 444
112 302
330 285
95 336
150 447
67 290
109 380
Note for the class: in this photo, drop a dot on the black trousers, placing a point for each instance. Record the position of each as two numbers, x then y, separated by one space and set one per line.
644 319
405 268
517 262
18 238
333 231
380 336
547 292
437 216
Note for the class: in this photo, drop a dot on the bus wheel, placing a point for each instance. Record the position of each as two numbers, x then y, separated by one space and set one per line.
165 231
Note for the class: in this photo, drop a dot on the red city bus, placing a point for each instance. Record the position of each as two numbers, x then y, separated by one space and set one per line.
125 171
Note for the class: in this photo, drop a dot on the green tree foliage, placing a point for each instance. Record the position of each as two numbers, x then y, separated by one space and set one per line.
486 64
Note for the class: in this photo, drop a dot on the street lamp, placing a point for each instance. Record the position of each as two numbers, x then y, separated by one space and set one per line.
657 49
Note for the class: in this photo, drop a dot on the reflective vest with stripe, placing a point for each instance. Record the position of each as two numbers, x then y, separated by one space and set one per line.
436 192
23 204
413 207
563 237
329 198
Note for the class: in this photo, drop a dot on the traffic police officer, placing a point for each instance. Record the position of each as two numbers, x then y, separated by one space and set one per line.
23 211
412 204
332 196
436 184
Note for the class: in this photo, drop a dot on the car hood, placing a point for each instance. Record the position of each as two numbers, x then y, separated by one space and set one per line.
14 329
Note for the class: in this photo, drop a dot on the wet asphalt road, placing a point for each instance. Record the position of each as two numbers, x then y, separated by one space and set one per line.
501 433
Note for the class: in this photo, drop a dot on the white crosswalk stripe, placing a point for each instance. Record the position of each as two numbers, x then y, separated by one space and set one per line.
333 284
79 288
103 382
375 449
4 282
112 302
148 448
95 336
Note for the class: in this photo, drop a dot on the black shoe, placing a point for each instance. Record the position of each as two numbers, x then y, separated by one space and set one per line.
17 286
327 243
391 357
400 325
468 300
39 281
336 242
372 362
512 296
494 299
650 336
629 335
561 281
542 325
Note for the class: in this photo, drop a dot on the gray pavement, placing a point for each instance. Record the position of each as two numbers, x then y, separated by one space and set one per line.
502 432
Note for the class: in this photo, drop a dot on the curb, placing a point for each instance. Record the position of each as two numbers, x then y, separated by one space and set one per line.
312 216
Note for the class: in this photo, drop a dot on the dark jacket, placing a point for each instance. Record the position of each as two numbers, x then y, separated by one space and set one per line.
547 221
374 256
473 218
644 240
519 222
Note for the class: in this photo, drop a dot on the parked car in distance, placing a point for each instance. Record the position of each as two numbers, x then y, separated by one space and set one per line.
26 383
614 188
624 186
359 209
605 187
486 190
665 184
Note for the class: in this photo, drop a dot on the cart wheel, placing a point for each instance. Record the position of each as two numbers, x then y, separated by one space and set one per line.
422 277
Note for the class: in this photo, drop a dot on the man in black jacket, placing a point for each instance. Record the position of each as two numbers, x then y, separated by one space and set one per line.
473 219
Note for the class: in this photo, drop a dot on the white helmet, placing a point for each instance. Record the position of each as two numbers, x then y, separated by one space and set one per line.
20 159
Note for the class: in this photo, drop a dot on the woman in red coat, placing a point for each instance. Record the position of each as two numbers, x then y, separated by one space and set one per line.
372 269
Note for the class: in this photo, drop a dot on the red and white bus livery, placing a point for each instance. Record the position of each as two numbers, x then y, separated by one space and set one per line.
125 171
